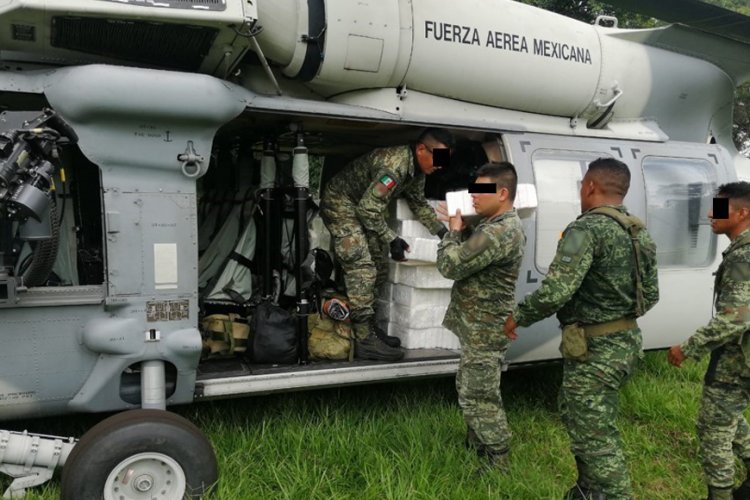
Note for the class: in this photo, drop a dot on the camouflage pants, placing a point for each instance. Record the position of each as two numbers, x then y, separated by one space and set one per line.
361 254
723 431
589 402
478 386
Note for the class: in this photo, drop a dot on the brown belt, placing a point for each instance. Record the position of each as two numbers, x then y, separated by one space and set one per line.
601 329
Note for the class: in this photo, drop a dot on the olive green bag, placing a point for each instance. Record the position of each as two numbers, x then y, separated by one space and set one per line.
224 335
573 345
329 339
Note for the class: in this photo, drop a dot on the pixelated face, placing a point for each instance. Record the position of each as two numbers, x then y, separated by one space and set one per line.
486 197
726 216
432 158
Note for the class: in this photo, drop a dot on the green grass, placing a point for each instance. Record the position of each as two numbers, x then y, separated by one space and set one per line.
405 440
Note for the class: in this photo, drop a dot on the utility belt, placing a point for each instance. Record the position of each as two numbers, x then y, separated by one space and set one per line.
610 327
574 345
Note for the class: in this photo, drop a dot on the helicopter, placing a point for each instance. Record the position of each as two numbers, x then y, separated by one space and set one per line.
156 162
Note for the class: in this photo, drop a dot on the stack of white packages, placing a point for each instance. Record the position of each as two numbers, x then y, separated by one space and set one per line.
414 300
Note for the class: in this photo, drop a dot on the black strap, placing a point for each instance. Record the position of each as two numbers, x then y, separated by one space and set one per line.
241 259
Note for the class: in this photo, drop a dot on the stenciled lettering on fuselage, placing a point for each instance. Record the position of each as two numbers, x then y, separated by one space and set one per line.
467 35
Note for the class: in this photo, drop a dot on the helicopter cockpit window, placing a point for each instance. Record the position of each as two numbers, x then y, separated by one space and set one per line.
679 193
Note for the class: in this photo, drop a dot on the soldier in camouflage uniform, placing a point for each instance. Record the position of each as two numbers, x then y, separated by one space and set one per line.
484 262
726 390
354 207
598 283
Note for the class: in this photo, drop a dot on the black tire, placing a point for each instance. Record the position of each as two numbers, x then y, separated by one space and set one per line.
125 436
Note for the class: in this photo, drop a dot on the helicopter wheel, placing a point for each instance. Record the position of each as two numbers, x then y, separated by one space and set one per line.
140 454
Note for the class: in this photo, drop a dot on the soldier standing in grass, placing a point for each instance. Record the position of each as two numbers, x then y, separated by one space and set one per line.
354 207
726 391
601 279
485 264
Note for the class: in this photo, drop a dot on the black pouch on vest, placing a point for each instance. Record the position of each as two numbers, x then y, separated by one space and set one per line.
274 335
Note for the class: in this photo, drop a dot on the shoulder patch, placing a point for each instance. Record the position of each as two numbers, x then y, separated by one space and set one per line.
572 244
738 271
388 181
384 185
475 245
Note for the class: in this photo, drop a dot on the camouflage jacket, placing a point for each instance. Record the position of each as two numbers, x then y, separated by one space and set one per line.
485 266
373 180
591 279
732 293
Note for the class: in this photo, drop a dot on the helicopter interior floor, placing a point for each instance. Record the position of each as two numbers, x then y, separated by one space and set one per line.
238 366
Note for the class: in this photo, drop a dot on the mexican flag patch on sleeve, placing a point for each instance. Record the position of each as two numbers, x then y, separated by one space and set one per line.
388 181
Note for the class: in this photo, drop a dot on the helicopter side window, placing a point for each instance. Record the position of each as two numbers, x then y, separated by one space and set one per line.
679 193
558 177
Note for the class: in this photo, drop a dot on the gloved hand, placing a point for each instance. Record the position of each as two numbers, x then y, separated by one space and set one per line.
442 232
398 247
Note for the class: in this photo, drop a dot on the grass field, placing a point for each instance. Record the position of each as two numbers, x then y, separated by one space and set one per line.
405 440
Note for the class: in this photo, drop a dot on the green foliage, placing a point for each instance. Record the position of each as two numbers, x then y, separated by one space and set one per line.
405 441
741 127
587 10
741 6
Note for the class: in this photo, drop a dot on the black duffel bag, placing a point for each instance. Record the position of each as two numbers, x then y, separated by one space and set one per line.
274 335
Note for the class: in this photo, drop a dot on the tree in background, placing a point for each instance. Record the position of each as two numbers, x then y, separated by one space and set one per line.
587 10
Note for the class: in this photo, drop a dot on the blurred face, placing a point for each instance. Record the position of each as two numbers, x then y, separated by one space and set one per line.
732 225
488 204
425 157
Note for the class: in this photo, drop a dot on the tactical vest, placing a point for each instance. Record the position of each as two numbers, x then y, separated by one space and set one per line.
744 338
633 226
720 272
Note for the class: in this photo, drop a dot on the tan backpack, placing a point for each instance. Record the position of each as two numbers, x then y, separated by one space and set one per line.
329 339
224 335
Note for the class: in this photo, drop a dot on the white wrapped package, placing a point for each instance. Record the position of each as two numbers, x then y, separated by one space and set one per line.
460 200
423 250
424 338
401 210
412 297
410 229
417 276
426 316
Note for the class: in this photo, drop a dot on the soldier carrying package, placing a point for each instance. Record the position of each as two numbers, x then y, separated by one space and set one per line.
353 207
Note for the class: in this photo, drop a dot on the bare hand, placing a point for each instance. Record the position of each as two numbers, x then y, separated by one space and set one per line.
510 328
675 356
456 223
442 211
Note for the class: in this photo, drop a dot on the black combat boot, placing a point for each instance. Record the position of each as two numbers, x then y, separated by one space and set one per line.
715 493
389 340
367 345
